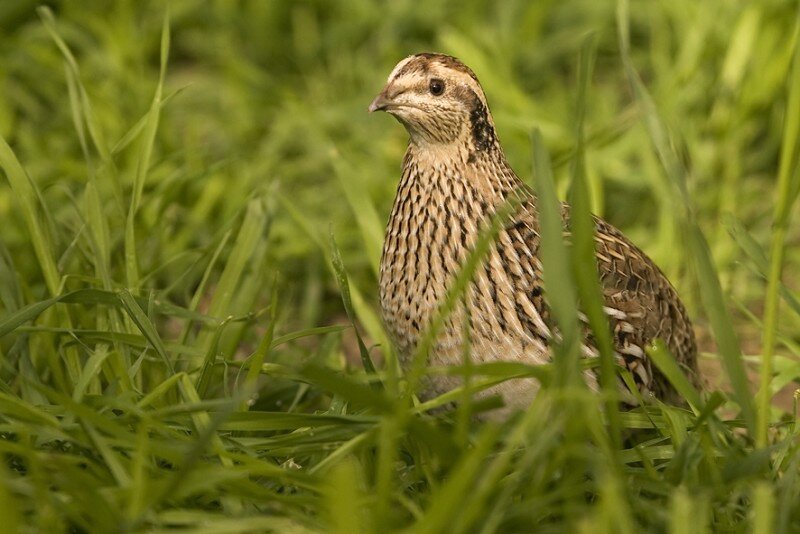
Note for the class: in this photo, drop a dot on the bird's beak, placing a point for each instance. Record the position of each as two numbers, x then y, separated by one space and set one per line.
380 103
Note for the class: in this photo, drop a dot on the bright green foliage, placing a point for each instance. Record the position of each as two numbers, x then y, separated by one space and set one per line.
192 198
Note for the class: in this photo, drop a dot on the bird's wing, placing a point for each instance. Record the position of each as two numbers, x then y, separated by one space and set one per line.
640 303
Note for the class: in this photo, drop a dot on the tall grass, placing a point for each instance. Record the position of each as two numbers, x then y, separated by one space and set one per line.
183 343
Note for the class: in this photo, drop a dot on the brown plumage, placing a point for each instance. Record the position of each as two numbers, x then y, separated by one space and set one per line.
455 175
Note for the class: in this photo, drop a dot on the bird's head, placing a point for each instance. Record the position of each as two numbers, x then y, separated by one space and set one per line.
439 101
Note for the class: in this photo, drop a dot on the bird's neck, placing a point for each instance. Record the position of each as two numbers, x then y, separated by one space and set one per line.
485 172
433 158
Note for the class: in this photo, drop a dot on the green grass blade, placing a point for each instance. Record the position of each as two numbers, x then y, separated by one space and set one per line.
455 492
364 210
763 509
89 115
255 361
362 308
245 252
787 191
344 288
584 261
28 313
139 127
666 363
10 515
15 408
146 327
90 370
356 392
205 375
756 254
556 267
143 163
346 507
710 290
25 194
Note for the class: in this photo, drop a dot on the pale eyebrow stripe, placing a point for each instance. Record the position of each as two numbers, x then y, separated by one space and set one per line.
398 68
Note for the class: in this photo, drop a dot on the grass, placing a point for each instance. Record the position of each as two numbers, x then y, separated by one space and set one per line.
193 203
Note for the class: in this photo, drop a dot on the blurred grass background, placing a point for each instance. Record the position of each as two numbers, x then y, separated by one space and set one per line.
194 226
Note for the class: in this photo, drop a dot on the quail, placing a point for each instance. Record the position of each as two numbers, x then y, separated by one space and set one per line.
454 178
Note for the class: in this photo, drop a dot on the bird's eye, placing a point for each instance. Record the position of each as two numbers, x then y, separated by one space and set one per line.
436 87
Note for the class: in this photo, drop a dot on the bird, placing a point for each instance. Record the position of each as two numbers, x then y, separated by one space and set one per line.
455 177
